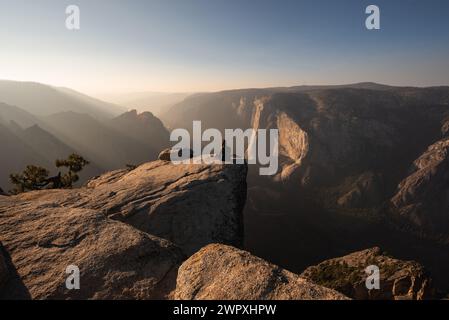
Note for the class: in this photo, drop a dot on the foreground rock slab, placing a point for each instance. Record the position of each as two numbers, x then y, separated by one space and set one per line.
399 280
116 261
127 231
191 205
223 272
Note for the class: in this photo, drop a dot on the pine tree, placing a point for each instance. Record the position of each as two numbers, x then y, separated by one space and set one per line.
32 178
75 163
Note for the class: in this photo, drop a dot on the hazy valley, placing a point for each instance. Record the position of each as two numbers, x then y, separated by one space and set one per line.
361 165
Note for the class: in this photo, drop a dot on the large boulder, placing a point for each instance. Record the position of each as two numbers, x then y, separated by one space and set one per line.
226 273
399 279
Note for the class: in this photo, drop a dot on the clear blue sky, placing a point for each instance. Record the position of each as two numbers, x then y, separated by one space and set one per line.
202 45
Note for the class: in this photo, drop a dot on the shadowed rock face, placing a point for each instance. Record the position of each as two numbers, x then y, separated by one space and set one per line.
3 268
328 135
223 272
343 150
423 197
398 279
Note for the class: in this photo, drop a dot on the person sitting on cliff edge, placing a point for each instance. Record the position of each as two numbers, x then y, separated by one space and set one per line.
225 152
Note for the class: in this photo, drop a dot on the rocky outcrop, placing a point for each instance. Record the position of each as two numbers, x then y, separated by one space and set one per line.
423 197
398 279
115 260
2 193
117 230
190 205
223 272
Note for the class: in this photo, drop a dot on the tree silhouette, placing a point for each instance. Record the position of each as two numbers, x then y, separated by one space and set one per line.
32 178
36 178
75 163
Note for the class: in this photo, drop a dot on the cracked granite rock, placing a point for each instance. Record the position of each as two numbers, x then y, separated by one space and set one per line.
191 205
127 231
115 260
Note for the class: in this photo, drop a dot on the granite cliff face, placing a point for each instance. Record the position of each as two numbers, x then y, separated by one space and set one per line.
423 196
399 280
127 231
226 273
330 136
343 151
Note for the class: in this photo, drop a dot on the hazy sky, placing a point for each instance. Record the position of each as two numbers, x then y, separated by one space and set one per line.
203 45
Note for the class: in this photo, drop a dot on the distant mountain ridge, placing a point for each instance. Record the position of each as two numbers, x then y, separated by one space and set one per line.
143 127
100 141
43 100
19 116
43 123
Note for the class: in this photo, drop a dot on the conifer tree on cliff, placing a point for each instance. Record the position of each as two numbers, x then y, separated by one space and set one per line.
32 178
36 178
75 163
